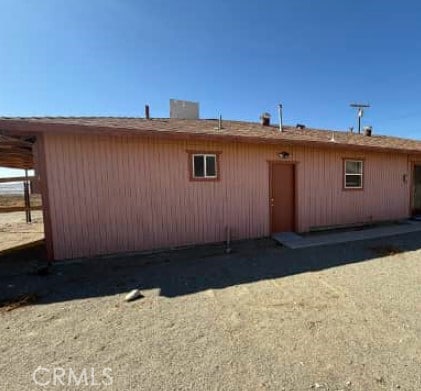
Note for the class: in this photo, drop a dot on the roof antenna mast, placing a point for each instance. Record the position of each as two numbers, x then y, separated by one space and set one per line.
360 112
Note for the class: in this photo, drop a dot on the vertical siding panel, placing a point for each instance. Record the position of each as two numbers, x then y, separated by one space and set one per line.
143 214
109 166
77 201
61 216
101 190
89 229
121 194
150 192
87 180
118 198
156 208
127 183
73 194
133 171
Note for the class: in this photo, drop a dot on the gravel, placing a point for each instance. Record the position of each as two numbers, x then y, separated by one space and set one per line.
341 317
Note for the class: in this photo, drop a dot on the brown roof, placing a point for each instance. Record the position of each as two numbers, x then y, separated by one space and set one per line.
207 129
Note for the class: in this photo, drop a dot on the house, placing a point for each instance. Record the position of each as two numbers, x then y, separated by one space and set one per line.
112 185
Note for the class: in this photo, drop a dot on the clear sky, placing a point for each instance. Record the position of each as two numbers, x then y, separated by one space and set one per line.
237 58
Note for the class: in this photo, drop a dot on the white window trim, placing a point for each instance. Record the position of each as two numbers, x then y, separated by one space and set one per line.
205 155
360 174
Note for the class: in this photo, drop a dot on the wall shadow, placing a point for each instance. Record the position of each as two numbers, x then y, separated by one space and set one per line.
180 272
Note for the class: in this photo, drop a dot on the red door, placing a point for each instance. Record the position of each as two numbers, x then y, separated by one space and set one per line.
282 197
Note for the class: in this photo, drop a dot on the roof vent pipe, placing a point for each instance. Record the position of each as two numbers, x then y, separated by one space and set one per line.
147 112
280 117
265 119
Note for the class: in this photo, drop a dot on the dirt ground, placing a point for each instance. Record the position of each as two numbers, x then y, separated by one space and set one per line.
14 231
343 317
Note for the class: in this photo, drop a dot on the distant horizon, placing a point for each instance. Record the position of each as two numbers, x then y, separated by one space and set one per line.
15 188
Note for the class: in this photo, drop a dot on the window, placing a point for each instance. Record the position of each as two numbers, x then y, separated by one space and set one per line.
204 166
353 178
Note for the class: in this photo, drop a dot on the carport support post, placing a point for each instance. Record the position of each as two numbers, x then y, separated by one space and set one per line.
27 198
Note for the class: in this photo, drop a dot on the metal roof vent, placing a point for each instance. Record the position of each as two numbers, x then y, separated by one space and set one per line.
368 130
265 119
300 126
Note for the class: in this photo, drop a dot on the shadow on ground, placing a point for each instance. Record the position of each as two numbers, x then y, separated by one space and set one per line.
180 272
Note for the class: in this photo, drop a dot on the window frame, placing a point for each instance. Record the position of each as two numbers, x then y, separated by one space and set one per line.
191 156
344 173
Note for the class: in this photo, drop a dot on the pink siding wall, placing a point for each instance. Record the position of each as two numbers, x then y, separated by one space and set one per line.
113 194
323 202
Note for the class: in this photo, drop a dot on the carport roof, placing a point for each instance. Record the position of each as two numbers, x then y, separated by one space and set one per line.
15 152
237 131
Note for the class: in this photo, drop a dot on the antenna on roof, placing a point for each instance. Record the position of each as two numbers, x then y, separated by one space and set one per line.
360 112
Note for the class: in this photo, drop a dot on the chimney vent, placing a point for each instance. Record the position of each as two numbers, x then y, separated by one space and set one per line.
368 130
147 112
265 119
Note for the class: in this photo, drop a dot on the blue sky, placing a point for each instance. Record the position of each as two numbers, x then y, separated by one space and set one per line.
237 58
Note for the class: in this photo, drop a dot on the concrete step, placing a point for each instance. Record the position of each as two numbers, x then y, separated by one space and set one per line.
294 241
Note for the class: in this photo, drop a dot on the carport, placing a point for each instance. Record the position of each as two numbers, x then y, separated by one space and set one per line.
20 151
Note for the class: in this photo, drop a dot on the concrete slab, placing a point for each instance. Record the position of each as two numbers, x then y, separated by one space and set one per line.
286 236
294 241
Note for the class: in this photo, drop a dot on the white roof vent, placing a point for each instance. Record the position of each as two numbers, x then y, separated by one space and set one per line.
183 109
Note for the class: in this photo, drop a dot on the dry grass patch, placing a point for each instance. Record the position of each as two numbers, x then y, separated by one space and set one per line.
15 200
